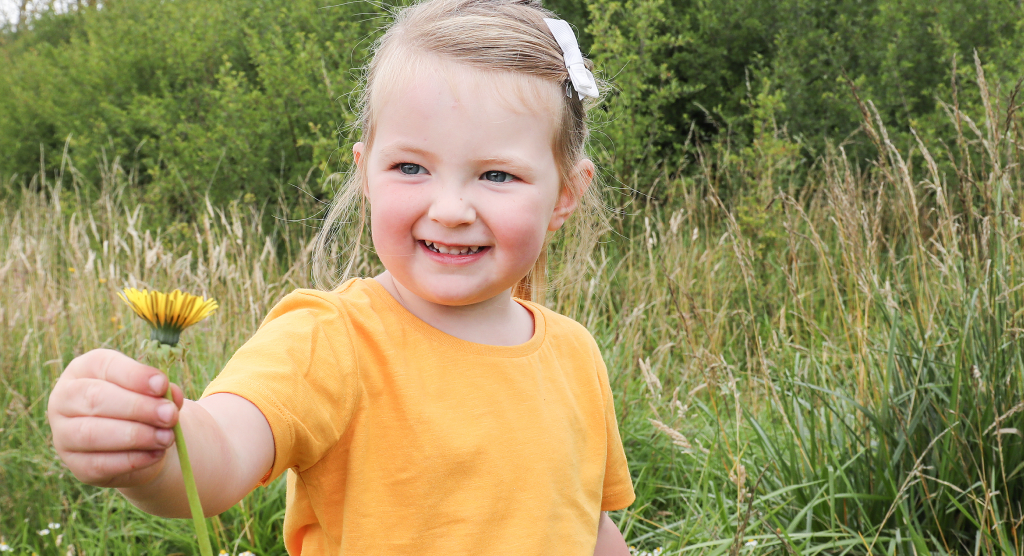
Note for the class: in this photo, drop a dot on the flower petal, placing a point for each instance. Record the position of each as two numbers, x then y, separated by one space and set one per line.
174 312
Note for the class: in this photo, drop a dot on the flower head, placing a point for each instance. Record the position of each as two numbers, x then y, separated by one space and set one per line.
168 314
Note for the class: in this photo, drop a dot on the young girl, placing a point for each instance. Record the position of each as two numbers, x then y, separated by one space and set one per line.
426 410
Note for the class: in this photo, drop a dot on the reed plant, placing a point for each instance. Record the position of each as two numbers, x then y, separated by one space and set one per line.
830 362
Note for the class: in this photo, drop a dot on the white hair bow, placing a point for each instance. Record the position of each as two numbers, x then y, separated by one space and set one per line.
582 80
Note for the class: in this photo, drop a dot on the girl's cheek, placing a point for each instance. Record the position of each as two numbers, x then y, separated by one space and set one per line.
526 232
391 219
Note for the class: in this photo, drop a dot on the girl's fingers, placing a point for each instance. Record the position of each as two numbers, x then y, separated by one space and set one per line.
110 421
179 396
96 435
115 469
117 368
90 397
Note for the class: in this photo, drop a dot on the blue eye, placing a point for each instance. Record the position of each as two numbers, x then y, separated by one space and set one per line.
411 169
497 176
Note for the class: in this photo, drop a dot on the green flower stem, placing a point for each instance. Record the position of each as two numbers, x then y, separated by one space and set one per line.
198 519
167 354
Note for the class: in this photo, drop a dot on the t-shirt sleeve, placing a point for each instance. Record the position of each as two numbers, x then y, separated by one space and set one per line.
299 369
618 485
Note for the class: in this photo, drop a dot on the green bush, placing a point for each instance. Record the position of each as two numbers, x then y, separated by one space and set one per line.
197 97
685 66
236 97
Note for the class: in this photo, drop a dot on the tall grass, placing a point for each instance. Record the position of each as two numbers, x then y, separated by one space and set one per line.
831 362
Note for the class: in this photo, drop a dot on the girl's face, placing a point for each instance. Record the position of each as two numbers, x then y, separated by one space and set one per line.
462 185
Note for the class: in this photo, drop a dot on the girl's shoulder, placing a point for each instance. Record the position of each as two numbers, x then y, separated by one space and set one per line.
561 329
353 296
355 290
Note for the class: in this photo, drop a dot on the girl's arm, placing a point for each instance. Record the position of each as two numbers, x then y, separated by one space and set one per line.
609 539
112 428
231 448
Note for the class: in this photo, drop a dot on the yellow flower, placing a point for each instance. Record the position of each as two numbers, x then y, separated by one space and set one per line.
71 269
103 280
168 313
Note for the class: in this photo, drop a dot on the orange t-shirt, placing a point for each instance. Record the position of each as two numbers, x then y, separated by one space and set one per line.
403 440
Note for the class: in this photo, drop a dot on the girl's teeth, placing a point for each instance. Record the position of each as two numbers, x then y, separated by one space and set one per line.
452 250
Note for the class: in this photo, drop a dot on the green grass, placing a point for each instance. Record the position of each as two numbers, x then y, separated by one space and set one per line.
835 368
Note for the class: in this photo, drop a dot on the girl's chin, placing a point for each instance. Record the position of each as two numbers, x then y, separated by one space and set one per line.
456 293
452 299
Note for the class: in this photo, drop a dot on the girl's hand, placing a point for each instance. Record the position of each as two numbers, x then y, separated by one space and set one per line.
111 424
609 539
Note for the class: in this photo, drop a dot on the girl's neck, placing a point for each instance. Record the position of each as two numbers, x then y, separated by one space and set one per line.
499 321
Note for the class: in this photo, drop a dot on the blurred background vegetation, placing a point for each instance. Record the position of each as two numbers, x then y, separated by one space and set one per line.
811 300
234 97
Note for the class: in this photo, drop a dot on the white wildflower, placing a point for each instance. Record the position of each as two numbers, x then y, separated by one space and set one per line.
4 547
53 525
633 551
43 532
751 543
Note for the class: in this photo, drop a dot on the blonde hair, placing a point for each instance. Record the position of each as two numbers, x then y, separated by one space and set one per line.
504 36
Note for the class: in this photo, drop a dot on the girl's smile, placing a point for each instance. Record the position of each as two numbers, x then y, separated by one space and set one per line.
456 252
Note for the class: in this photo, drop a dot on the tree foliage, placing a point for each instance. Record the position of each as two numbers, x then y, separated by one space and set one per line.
234 97
225 98
694 68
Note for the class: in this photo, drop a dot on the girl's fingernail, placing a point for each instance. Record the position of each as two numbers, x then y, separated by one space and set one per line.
164 436
157 384
165 412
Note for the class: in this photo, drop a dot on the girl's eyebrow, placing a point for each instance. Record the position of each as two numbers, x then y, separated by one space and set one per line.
504 161
517 165
401 148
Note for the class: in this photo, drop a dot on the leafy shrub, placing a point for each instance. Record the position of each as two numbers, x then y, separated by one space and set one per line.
221 97
240 97
693 66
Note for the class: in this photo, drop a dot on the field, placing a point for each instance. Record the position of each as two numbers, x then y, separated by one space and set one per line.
830 362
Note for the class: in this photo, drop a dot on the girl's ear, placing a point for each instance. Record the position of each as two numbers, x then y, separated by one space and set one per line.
357 156
357 153
569 198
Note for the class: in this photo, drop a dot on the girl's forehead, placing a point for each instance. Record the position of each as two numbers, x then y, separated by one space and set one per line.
462 119
518 93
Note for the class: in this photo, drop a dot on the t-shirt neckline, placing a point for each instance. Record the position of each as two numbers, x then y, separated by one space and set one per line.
434 335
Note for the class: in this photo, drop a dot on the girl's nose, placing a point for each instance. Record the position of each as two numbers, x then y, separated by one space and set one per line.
451 208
